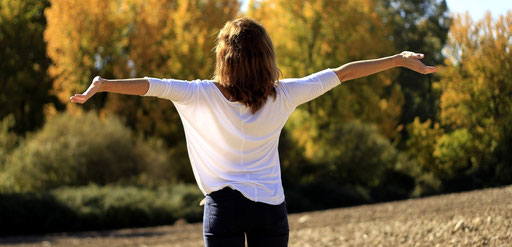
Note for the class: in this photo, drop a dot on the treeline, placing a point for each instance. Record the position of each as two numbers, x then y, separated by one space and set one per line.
393 135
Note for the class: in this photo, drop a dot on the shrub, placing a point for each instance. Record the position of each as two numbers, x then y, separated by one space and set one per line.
8 139
349 164
184 200
395 185
77 150
318 195
95 207
452 153
356 153
421 143
503 168
106 207
33 213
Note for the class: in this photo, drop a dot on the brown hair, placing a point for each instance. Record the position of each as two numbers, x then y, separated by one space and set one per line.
246 64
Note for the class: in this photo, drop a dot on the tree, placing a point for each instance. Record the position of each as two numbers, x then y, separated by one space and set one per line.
476 82
313 35
26 86
119 39
183 37
417 25
473 132
422 142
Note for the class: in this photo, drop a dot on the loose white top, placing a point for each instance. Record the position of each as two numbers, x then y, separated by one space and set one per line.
229 146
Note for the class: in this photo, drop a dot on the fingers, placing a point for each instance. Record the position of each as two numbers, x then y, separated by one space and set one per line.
412 61
425 69
75 99
91 90
78 98
430 69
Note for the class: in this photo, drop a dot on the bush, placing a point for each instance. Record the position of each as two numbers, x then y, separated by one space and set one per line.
503 167
452 152
322 195
32 213
349 164
77 150
8 139
421 143
427 184
395 185
94 208
356 153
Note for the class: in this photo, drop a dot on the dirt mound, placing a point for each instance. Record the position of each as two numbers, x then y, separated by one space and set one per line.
477 218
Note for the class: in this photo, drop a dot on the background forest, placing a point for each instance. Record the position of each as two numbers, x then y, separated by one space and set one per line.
121 161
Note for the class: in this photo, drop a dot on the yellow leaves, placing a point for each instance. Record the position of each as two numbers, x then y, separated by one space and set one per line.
309 10
475 79
312 35
455 90
383 104
10 9
304 130
74 32
148 33
476 85
422 142
132 38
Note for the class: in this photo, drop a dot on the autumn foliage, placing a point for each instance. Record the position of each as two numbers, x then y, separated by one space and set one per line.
473 130
388 136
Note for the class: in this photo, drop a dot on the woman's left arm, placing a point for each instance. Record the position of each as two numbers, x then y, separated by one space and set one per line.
363 68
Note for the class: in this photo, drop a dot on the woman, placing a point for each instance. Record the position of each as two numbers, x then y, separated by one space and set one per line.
232 125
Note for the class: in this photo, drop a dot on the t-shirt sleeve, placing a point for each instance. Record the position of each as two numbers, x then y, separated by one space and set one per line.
177 91
302 90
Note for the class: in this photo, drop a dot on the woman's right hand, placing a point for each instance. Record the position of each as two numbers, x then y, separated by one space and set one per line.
93 88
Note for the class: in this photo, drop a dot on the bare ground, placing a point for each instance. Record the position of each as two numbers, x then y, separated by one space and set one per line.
477 218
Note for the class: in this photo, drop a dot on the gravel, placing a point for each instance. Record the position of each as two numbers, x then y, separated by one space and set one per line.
476 218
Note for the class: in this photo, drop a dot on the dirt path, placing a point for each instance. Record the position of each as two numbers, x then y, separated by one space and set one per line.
478 218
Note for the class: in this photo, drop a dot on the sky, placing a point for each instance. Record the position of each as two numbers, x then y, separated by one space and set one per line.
476 8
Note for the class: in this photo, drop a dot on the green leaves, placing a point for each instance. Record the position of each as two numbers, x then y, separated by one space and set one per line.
74 150
25 90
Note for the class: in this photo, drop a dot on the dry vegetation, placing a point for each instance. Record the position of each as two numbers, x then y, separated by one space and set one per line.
477 218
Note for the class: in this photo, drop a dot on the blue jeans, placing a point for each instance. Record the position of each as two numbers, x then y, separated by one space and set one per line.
229 217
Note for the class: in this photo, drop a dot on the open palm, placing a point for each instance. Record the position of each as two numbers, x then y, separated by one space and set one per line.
411 60
93 88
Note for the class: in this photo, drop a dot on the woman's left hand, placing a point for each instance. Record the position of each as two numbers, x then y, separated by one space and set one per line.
411 60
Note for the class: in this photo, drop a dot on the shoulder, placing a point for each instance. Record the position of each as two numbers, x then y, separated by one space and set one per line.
204 84
176 90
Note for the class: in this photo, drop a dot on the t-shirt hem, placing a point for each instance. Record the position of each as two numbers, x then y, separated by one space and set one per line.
271 202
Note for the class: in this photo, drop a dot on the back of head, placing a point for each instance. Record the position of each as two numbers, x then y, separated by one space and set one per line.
246 65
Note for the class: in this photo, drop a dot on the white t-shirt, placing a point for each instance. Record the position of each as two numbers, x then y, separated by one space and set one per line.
229 146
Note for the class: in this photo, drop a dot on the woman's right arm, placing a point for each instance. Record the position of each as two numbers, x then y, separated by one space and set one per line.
135 86
407 59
